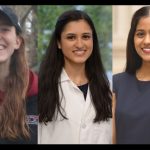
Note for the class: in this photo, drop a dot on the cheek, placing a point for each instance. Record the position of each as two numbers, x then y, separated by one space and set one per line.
136 43
90 45
11 40
65 49
138 40
66 46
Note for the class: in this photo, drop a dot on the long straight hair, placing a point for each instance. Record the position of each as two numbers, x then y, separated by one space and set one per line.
134 61
49 101
13 123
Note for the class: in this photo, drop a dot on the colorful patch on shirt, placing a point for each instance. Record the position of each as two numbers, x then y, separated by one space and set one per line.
32 119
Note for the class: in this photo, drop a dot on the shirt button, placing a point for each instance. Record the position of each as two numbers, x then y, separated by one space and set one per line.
83 125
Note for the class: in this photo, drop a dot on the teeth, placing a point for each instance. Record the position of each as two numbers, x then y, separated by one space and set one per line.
1 47
146 49
79 52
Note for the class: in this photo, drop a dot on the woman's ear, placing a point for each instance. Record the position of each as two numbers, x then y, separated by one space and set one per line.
18 42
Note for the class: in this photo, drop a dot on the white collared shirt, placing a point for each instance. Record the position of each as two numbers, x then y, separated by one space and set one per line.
79 128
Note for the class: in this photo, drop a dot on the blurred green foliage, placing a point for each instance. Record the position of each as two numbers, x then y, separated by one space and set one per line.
101 16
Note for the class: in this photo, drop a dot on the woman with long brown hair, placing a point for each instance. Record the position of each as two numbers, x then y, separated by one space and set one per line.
18 85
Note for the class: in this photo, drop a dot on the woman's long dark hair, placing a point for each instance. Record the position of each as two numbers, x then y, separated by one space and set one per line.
51 67
134 61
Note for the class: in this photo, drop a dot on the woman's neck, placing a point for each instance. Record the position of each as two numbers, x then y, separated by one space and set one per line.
143 73
76 73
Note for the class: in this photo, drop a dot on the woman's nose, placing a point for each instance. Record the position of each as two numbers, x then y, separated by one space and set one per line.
79 43
147 39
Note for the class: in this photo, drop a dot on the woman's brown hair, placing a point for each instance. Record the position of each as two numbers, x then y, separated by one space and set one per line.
13 122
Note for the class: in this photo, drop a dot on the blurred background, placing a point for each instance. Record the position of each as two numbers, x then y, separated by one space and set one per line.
122 16
38 22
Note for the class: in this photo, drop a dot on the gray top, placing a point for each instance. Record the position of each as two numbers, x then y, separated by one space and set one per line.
132 109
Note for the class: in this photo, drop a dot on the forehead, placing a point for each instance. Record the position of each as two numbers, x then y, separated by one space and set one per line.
144 23
77 26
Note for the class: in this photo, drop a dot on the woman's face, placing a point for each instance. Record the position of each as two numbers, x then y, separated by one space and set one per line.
142 39
76 42
9 41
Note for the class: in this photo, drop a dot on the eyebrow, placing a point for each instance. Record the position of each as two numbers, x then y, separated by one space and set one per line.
87 33
139 30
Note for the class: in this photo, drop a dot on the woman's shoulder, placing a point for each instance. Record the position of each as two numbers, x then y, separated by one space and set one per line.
122 80
122 76
32 94
33 84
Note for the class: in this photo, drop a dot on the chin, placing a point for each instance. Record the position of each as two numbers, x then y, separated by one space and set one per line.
3 60
80 61
147 60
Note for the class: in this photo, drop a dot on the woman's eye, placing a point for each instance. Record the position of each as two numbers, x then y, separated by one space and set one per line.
140 34
70 37
4 29
86 37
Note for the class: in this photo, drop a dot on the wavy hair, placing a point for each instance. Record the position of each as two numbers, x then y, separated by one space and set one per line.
13 122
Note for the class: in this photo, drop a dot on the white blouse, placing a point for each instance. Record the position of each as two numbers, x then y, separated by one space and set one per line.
79 128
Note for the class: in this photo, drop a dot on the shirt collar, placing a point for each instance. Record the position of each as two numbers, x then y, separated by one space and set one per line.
64 76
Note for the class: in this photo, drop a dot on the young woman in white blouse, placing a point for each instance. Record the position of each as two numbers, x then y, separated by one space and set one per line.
74 94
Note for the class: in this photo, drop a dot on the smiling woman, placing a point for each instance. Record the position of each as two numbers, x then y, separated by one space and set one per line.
76 43
9 40
18 84
74 93
142 39
132 88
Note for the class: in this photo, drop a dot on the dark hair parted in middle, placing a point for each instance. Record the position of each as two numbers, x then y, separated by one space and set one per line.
51 68
134 61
